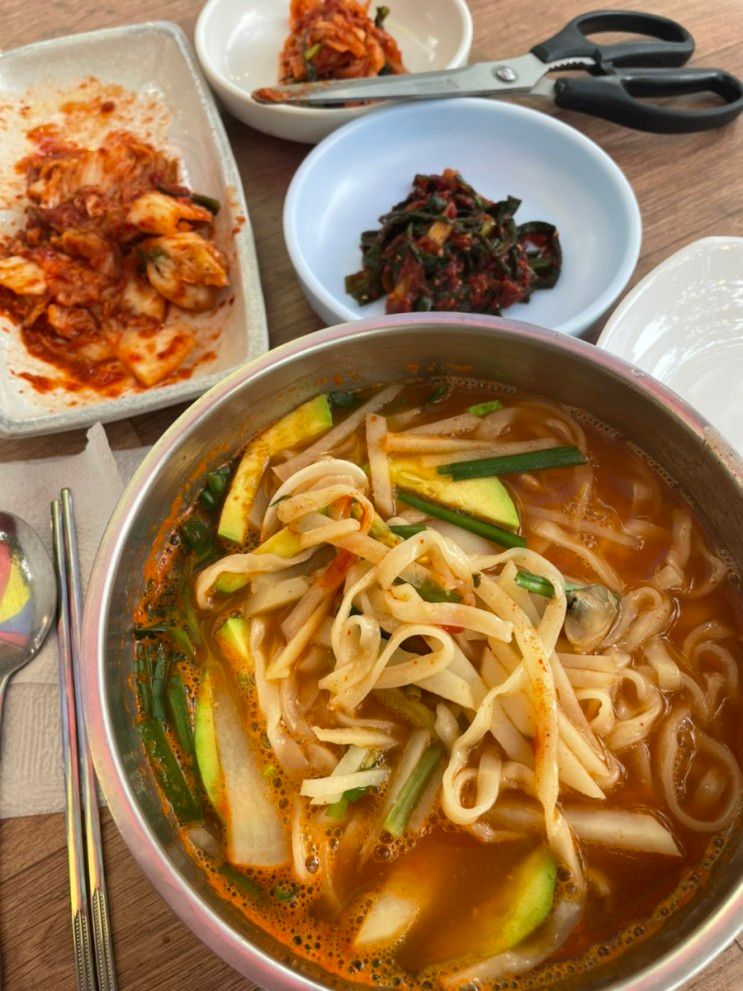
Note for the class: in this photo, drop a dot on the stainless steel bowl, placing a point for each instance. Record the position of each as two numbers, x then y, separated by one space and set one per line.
363 353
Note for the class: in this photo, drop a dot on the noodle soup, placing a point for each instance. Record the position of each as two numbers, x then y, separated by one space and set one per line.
441 683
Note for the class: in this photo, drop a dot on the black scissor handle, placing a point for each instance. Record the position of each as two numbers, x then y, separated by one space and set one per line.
672 44
618 98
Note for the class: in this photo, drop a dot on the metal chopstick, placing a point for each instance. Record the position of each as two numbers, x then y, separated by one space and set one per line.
84 962
99 916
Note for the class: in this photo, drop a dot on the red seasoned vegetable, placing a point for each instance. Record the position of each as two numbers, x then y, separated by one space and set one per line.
336 39
446 247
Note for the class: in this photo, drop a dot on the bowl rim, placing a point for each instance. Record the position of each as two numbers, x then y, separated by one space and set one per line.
576 324
217 77
673 967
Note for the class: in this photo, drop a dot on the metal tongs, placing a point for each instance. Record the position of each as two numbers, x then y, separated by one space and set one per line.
620 76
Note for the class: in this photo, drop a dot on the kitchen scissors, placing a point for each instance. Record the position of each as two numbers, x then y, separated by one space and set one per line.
620 77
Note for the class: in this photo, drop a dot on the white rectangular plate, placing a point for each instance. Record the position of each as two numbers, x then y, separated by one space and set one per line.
158 93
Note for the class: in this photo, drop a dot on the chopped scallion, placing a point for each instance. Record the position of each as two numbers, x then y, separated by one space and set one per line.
244 884
208 202
430 591
541 586
206 498
381 15
406 530
342 400
488 530
285 894
535 583
159 679
172 780
198 536
411 791
216 481
181 720
550 457
178 637
482 409
144 679
440 392
413 712
338 809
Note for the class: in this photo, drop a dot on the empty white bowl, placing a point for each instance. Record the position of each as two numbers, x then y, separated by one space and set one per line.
683 323
361 171
238 43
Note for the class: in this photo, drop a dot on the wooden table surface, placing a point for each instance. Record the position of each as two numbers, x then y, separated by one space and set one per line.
688 186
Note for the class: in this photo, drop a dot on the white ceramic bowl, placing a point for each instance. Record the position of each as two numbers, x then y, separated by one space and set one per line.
360 172
238 44
683 323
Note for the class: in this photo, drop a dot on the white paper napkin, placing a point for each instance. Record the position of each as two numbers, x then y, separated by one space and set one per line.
31 760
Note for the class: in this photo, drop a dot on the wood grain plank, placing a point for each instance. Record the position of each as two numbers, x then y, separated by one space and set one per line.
688 186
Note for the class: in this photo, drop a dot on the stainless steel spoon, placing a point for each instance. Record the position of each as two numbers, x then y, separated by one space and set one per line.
28 597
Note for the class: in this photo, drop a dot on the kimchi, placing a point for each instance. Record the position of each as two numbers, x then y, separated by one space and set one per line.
336 39
114 249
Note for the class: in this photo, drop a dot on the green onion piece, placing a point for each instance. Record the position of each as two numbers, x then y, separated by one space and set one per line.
208 202
378 529
185 805
338 809
309 66
178 707
549 457
430 591
342 399
159 679
406 530
245 885
413 712
402 807
144 679
216 481
144 632
311 52
482 409
269 771
207 499
441 391
354 794
488 530
287 894
381 15
535 583
198 536
542 586
178 637
215 488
